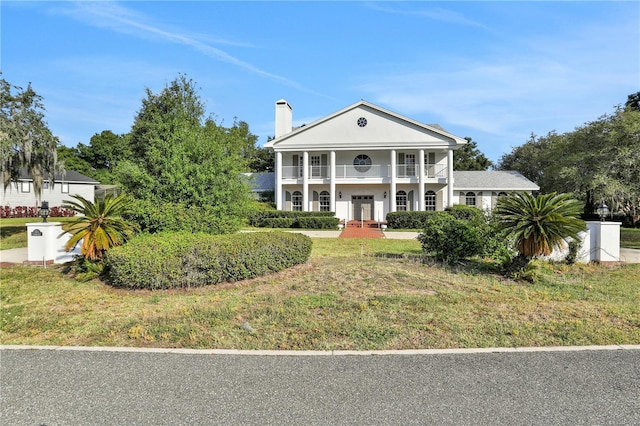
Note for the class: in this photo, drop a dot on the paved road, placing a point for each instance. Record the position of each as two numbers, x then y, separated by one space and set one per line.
46 387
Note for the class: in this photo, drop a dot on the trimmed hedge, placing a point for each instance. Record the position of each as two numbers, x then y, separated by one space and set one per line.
408 220
289 219
318 222
183 260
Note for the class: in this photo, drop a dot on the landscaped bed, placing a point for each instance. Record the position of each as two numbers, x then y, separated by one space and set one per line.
353 294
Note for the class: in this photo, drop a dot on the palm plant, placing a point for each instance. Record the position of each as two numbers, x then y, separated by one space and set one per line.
100 225
540 223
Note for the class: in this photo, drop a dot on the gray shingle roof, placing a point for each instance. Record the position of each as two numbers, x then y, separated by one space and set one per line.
69 176
495 180
260 182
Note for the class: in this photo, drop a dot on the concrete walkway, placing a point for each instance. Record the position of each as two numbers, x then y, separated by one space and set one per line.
18 255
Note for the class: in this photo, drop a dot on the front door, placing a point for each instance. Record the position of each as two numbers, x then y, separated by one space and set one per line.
362 207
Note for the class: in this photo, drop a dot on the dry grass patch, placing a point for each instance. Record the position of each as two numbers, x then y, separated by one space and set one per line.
351 295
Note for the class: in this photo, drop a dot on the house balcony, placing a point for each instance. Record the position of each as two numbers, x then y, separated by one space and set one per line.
348 172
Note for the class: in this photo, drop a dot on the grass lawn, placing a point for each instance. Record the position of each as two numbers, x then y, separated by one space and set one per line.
630 238
353 294
13 232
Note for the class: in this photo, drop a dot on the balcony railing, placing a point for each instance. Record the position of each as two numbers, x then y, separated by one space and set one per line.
375 171
431 171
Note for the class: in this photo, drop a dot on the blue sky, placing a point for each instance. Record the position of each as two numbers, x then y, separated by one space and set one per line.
493 71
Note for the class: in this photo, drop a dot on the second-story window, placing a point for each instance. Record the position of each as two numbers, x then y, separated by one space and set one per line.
316 167
362 163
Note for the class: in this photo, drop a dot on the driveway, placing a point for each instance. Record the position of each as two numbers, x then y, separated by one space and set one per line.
70 387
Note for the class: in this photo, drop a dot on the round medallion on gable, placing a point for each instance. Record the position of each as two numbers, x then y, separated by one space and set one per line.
362 121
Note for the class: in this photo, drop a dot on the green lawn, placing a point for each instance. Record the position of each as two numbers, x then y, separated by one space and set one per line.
13 232
353 294
630 238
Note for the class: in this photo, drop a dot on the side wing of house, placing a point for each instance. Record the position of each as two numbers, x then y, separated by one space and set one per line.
22 192
483 188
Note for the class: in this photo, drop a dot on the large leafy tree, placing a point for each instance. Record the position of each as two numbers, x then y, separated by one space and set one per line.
262 160
25 140
180 156
99 225
538 224
105 150
469 157
597 161
69 158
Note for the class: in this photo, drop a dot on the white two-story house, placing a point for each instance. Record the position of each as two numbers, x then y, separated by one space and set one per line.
364 161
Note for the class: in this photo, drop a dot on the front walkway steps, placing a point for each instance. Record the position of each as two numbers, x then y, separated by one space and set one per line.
358 229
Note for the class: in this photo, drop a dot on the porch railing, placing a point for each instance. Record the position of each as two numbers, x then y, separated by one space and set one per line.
375 171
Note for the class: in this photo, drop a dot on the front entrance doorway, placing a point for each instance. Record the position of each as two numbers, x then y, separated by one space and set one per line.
362 207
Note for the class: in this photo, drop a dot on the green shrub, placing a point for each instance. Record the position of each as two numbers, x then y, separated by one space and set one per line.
154 218
408 220
182 260
278 222
574 247
469 213
316 222
450 239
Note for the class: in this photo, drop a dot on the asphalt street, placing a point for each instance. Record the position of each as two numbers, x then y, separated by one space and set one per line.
51 387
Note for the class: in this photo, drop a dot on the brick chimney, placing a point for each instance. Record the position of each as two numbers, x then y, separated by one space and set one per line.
284 118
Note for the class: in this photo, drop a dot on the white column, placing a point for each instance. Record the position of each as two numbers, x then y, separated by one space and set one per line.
278 188
305 181
392 187
332 181
450 178
421 181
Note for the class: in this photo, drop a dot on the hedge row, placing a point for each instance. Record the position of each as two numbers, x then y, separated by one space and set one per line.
417 219
182 260
408 220
288 219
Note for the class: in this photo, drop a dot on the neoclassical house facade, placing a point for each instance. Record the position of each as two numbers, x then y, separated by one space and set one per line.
363 162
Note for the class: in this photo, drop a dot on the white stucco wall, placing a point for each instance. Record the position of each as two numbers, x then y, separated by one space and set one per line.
15 196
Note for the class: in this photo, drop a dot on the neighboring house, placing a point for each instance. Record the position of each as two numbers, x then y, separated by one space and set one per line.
21 193
363 162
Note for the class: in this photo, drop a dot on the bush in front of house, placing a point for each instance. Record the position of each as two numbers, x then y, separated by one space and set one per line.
318 222
408 220
469 213
163 217
450 239
291 219
278 222
184 260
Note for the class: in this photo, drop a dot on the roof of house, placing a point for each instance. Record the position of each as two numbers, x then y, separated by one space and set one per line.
507 180
69 176
418 130
260 182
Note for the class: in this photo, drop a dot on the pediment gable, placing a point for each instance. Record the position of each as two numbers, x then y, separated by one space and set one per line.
365 126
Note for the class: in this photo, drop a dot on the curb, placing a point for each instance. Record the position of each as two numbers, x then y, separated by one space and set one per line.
183 351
